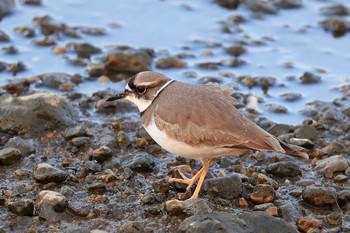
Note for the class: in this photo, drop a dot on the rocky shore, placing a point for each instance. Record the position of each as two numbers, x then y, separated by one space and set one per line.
74 163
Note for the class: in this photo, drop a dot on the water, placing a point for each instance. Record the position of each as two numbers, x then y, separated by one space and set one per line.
295 36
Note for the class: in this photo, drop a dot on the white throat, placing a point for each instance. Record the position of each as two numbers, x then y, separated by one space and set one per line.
143 104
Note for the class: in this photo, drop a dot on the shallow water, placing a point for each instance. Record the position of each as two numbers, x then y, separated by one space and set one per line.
293 36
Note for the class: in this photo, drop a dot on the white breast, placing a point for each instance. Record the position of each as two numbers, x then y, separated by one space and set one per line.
181 148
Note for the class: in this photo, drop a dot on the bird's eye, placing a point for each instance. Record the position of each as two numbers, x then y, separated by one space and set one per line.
140 90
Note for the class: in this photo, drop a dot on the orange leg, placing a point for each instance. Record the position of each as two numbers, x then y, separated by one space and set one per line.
200 174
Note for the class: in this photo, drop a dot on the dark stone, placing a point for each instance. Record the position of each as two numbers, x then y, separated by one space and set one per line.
129 60
170 62
263 193
76 131
279 129
77 229
81 141
35 113
148 199
229 4
55 79
45 173
81 209
319 196
9 156
130 227
308 132
142 163
335 9
289 4
26 147
93 166
260 6
228 187
102 154
22 208
291 97
49 205
284 169
308 78
337 25
97 188
276 108
219 222
334 148
235 50
4 37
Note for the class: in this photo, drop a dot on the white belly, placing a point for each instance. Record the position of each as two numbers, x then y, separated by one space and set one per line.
181 148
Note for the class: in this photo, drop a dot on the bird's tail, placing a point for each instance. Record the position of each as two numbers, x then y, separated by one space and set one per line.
294 150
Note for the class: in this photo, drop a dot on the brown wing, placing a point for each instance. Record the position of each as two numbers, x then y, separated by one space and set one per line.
207 116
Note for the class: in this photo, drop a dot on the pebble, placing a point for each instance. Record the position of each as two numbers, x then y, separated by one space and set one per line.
76 229
284 169
257 221
279 129
334 219
264 206
35 113
335 9
26 147
208 65
148 198
276 108
305 182
309 224
229 4
228 187
4 37
102 153
334 148
21 208
290 4
262 193
235 50
45 173
337 25
308 78
264 179
170 62
80 209
76 131
188 207
308 132
328 166
55 79
261 6
142 163
49 204
93 166
97 188
291 97
81 141
9 156
303 142
344 195
131 227
319 196
129 60
273 211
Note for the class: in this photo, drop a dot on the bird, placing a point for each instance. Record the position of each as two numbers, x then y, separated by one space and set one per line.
197 121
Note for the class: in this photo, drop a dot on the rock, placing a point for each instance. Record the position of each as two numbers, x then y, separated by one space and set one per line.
303 142
4 37
35 113
333 149
290 212
170 62
308 78
21 208
332 164
335 9
76 131
55 79
25 31
84 50
308 224
289 4
208 65
227 187
334 219
305 182
80 209
260 6
32 2
96 70
102 153
263 207
97 188
129 60
81 141
262 193
6 7
188 207
142 163
257 222
130 227
9 156
284 169
93 166
77 229
148 199
235 50
26 147
308 132
276 108
279 129
50 204
45 173
291 97
332 115
229 4
337 25
319 196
